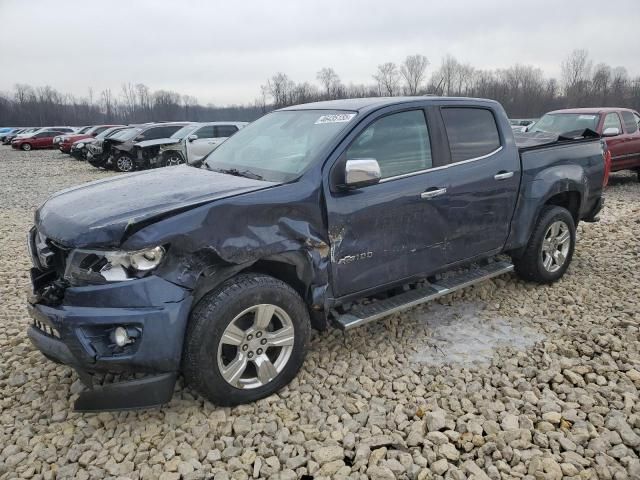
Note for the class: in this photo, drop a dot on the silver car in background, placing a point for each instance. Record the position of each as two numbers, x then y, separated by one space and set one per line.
194 142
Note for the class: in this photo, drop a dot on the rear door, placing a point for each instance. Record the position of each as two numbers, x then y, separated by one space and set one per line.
384 233
484 179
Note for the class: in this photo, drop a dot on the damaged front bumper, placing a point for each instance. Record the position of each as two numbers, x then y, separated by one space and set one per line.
78 332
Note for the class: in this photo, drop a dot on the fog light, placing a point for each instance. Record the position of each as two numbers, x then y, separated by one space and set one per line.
121 337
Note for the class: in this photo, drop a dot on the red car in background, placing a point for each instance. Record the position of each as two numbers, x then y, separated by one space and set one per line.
43 139
619 127
65 141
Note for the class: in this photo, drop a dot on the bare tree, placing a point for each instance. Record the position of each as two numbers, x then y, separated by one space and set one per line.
107 103
330 81
413 70
576 69
388 79
280 87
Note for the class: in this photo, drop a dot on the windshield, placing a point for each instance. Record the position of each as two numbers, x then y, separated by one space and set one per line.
184 131
83 130
560 123
108 132
126 134
279 146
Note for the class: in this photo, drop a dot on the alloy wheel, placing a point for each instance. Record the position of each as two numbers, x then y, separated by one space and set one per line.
555 246
174 160
256 346
124 163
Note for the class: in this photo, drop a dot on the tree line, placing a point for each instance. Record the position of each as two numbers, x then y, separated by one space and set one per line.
523 90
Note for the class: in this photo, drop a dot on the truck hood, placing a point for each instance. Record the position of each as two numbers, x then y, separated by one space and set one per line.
158 141
98 214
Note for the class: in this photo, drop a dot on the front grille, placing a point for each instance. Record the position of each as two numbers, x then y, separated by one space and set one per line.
46 254
46 329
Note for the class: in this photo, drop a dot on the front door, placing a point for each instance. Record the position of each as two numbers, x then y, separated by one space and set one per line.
630 150
43 140
394 230
615 143
484 181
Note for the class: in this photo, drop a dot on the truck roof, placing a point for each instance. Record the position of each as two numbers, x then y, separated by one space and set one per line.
373 103
592 110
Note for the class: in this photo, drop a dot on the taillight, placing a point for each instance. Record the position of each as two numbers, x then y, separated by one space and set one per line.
607 166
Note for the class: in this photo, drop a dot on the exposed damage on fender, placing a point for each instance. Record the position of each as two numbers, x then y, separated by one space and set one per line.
219 273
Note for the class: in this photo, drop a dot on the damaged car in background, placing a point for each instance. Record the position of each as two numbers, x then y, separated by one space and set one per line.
334 213
65 142
137 148
192 143
79 149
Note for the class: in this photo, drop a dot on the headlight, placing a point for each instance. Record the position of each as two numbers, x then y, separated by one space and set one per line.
79 145
99 266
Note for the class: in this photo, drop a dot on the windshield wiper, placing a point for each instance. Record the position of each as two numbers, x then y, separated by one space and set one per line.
238 173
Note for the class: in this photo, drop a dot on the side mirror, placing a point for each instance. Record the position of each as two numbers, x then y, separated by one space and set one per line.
361 172
611 132
191 138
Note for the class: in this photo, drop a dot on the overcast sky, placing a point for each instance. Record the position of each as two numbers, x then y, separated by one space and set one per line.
221 51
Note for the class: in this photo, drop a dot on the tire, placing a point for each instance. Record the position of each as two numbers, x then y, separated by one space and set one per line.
172 159
26 147
546 258
230 312
124 163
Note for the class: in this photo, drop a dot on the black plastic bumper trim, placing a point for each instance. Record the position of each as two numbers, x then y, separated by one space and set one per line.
51 347
148 392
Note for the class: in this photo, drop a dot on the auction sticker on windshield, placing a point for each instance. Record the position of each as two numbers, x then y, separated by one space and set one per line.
335 118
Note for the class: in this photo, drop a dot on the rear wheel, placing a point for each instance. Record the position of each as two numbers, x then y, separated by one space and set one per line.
26 147
246 340
124 163
550 248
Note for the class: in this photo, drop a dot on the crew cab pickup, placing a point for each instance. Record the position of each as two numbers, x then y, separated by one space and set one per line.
620 128
331 213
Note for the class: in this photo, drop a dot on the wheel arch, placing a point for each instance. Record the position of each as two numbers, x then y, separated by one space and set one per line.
295 268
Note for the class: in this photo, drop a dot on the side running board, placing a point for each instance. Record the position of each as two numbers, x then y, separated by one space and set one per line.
361 314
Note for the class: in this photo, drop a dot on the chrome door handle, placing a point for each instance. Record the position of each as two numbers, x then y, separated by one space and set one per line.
503 175
433 193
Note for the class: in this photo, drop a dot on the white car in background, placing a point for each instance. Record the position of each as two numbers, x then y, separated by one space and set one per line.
195 141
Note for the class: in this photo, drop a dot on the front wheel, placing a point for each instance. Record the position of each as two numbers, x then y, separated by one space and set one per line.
26 147
124 163
550 248
172 159
246 340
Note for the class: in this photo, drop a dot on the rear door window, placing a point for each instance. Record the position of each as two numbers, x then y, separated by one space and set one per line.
223 131
630 122
472 132
399 142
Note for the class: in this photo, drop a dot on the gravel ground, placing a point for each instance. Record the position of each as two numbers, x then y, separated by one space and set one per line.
547 389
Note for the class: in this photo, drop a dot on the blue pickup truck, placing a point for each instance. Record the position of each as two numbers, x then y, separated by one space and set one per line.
298 221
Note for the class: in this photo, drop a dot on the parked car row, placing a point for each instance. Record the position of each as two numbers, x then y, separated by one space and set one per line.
8 135
139 147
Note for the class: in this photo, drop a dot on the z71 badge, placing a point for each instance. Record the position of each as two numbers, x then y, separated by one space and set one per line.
355 258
